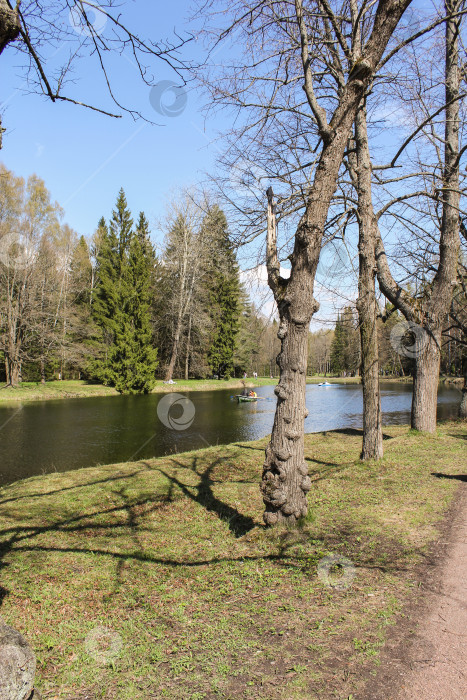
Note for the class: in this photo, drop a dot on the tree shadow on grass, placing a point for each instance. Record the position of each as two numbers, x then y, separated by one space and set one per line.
123 526
459 437
354 432
458 477
85 484
203 494
248 447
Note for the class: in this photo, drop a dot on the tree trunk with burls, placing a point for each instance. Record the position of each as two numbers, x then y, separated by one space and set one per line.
9 24
285 472
285 480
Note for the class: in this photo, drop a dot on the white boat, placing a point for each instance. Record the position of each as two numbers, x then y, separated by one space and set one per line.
325 384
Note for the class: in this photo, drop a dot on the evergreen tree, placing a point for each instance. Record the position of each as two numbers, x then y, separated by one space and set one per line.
337 347
248 341
121 308
345 348
223 285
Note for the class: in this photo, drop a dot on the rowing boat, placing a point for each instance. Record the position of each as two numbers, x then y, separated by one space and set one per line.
243 399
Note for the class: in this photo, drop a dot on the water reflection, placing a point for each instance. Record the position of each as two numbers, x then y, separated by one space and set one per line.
68 434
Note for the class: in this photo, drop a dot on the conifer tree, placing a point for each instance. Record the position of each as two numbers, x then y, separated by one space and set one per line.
224 293
337 347
122 302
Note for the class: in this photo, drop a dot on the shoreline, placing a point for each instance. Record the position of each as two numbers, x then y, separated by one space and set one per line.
75 388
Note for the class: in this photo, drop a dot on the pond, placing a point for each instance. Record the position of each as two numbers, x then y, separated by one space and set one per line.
47 436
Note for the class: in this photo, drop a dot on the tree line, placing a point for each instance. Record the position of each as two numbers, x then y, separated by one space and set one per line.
396 344
110 309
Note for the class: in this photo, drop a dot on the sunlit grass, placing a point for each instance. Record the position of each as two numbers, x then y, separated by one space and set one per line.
197 599
74 388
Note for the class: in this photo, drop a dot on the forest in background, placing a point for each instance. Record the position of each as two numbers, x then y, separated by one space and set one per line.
109 309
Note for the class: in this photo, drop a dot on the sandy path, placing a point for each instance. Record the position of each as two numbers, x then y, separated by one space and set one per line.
431 663
438 657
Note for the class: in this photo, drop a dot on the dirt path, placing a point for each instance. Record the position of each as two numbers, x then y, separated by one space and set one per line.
430 662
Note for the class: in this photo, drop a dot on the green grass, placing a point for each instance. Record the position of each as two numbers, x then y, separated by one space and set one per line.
158 579
74 388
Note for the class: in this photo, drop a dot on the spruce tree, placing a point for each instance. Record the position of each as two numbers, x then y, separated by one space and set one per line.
122 303
223 285
337 347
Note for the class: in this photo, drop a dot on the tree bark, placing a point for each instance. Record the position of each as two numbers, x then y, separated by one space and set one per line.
372 447
463 403
285 472
425 382
10 24
13 371
285 481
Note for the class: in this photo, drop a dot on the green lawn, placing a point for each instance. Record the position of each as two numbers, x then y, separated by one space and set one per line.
157 579
73 388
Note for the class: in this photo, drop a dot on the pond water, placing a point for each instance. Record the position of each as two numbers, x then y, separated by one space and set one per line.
47 436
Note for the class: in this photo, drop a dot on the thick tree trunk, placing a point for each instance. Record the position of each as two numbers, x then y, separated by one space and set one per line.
9 24
285 481
9 29
285 472
13 371
372 447
425 383
463 403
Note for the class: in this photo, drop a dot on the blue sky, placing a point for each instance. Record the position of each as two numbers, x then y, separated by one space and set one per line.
85 157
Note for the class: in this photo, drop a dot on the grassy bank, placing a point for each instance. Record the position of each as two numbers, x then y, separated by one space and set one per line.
157 578
68 389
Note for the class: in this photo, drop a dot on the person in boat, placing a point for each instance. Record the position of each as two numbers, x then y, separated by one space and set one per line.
245 391
253 394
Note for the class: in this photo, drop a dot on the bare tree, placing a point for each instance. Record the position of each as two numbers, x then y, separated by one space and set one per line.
183 261
427 311
367 306
28 274
80 29
312 45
